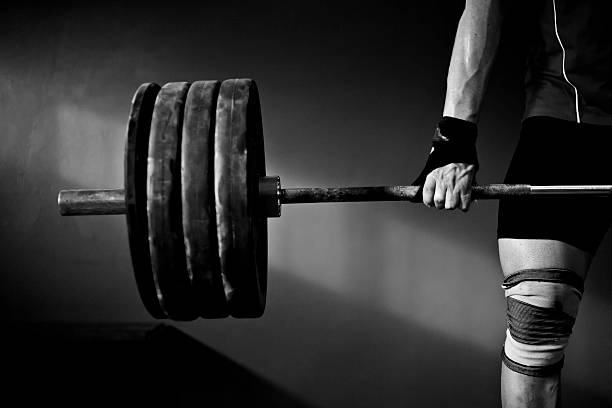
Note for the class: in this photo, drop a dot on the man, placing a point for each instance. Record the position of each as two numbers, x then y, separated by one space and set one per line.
545 244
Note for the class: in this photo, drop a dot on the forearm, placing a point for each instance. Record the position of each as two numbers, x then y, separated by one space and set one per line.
472 58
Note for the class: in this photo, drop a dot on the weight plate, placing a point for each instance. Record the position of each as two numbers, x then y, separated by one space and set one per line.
135 178
242 230
164 204
198 198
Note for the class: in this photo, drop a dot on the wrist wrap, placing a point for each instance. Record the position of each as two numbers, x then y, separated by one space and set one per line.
454 141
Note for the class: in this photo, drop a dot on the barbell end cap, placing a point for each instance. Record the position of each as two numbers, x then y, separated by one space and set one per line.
60 204
270 196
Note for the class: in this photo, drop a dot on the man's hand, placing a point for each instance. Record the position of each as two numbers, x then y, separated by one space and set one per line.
449 187
447 177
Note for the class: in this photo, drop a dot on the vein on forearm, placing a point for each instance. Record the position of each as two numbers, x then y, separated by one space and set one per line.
472 57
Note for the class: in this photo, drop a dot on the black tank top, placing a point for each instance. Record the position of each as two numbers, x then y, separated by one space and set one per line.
569 72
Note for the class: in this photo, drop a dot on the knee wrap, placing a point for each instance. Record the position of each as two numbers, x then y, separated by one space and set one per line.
542 305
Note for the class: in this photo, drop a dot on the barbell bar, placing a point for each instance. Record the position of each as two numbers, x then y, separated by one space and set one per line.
112 201
196 198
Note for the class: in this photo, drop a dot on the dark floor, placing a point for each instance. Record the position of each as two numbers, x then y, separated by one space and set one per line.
125 365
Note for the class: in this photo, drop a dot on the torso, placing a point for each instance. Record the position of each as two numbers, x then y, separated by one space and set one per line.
569 74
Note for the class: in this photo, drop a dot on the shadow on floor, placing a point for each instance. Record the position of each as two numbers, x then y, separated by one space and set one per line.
126 365
333 351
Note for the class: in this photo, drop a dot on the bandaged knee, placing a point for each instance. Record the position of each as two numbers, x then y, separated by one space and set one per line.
542 305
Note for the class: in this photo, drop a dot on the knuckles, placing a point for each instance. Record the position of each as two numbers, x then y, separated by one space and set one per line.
456 178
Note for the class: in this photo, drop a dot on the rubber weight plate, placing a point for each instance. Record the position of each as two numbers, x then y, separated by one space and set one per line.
241 229
135 178
198 198
164 204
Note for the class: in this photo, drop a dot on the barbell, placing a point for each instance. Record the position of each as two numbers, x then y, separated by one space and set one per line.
196 198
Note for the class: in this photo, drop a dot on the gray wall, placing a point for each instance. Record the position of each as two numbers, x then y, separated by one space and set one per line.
384 304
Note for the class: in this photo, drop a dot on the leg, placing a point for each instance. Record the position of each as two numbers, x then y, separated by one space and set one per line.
520 390
538 389
545 247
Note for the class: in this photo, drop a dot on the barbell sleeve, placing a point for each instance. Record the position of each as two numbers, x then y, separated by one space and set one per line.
92 202
112 201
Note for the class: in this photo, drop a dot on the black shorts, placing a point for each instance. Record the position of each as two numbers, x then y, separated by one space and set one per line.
553 151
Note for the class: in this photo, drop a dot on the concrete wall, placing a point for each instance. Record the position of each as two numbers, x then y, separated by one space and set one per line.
382 304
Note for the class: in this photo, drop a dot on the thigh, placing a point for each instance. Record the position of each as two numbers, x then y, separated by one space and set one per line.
549 152
521 254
